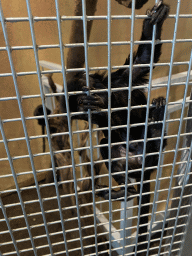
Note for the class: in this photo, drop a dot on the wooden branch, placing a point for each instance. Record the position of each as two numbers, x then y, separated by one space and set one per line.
75 56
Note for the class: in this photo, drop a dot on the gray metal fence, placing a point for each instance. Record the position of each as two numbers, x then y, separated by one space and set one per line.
108 226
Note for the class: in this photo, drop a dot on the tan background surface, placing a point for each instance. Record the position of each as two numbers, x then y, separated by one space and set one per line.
46 33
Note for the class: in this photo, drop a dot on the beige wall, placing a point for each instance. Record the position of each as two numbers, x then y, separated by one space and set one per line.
46 33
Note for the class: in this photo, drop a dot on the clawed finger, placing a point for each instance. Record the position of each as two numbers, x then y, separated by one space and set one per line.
158 13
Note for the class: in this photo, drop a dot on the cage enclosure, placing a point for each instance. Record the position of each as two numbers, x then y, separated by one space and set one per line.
95 158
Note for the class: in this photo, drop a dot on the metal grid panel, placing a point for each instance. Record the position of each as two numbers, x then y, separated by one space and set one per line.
116 243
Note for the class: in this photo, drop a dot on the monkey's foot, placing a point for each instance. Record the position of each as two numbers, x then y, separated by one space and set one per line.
158 13
159 102
116 194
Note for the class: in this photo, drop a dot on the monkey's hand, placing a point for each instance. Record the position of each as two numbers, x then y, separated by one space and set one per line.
92 102
157 113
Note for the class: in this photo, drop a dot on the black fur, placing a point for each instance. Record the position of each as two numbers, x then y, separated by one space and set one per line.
99 100
128 3
138 4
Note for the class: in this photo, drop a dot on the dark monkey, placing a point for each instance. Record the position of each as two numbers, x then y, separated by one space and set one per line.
99 100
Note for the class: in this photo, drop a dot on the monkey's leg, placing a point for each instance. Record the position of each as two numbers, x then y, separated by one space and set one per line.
116 166
117 194
157 16
144 212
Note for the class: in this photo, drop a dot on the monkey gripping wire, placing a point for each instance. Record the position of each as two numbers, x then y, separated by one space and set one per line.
128 113
26 136
31 23
163 129
109 117
30 19
69 120
176 151
89 118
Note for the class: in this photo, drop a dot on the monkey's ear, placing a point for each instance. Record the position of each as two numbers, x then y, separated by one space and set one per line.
128 3
39 112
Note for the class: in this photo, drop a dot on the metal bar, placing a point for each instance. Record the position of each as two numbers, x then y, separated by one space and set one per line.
157 182
109 20
145 135
94 130
64 196
21 113
186 230
16 183
89 117
68 119
50 95
71 45
163 130
178 63
97 161
188 166
9 227
110 231
31 23
172 107
104 224
78 143
128 116
161 213
188 189
105 175
189 154
98 156
95 17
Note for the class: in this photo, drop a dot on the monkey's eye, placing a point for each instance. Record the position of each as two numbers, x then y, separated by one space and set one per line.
80 102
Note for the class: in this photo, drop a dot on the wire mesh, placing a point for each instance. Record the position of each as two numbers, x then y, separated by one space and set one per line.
48 203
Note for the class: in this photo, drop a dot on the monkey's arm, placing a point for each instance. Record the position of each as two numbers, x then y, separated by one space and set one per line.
157 16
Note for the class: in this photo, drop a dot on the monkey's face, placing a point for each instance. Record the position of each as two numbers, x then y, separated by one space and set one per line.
134 156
